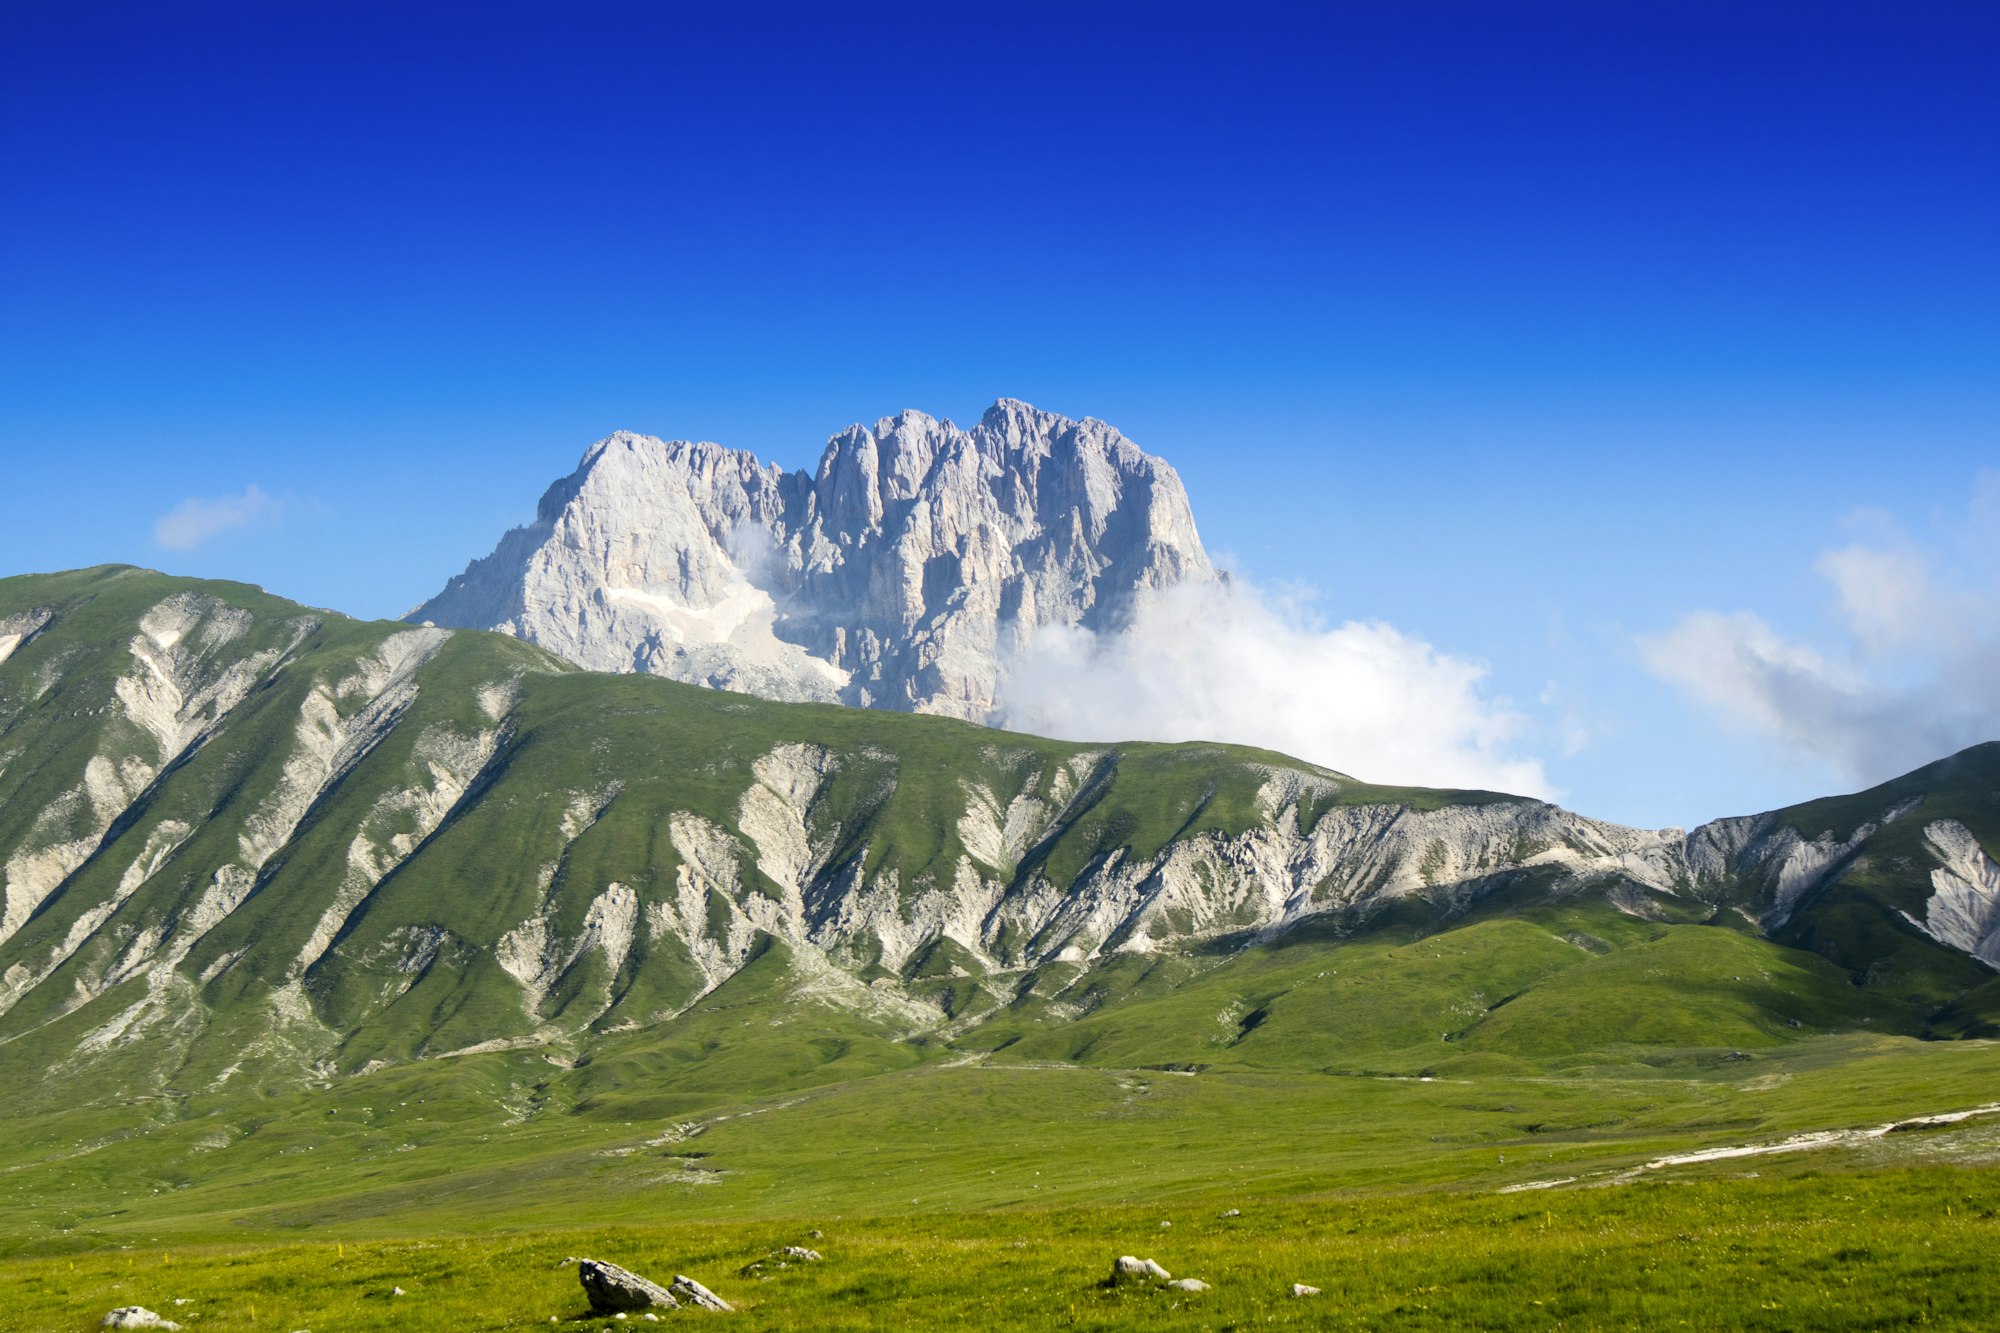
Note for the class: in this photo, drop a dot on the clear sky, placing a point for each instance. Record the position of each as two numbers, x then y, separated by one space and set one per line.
1648 355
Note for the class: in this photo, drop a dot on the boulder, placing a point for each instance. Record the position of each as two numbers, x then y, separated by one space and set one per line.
693 1293
801 1253
1187 1284
1301 1289
1129 1269
135 1316
611 1288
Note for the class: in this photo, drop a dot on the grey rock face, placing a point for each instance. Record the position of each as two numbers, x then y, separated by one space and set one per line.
898 576
612 1289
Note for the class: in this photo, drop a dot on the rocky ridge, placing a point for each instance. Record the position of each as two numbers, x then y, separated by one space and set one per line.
232 830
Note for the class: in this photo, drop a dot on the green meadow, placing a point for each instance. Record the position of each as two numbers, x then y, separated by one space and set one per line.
995 1194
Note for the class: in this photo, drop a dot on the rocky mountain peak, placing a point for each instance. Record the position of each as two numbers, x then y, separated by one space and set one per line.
900 574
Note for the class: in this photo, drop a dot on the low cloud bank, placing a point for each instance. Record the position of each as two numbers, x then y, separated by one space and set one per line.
1907 671
1230 662
196 522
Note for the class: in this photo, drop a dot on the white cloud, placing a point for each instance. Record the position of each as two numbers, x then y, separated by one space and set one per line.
1226 662
1907 672
194 522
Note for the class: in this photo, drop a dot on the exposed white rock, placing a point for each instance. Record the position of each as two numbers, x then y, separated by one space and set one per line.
1964 910
23 977
537 961
897 576
177 689
32 875
398 824
997 835
16 630
330 743
776 814
710 873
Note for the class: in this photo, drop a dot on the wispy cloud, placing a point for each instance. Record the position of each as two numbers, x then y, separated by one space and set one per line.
1229 662
195 522
1906 672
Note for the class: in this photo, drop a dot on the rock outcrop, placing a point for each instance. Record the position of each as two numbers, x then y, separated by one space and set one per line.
612 1289
136 1316
898 576
1964 912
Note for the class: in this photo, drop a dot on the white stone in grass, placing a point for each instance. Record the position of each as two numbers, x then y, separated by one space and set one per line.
1301 1289
1188 1284
135 1316
1131 1269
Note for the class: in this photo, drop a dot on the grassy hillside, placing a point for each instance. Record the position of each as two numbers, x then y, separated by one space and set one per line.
324 930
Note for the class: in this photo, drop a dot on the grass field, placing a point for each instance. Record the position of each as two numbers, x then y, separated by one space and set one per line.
1843 1249
992 1195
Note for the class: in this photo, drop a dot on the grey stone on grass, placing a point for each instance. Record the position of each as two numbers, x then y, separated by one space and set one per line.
1130 1269
135 1316
611 1288
693 1293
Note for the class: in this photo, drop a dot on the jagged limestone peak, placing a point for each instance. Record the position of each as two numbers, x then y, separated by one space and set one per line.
897 575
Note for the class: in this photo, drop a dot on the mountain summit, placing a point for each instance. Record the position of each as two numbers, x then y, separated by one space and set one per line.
898 576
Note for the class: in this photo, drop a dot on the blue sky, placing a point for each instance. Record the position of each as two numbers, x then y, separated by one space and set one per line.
1530 330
